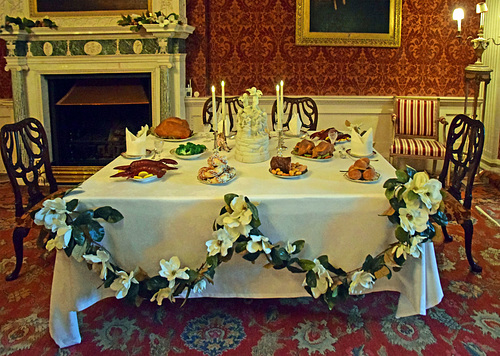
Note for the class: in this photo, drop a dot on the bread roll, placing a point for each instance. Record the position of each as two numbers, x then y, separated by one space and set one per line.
361 164
354 174
369 174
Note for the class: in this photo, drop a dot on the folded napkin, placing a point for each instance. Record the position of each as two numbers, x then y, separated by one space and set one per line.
136 145
228 126
361 145
295 125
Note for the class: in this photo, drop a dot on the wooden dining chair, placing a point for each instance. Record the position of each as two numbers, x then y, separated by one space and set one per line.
464 147
232 105
306 108
415 131
25 155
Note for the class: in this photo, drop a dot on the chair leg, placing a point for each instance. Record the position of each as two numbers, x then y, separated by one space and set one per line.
17 239
434 166
447 237
468 232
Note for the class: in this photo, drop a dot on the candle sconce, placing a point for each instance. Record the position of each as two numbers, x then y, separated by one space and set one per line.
478 72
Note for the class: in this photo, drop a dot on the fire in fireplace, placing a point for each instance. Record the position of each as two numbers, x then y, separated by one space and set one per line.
89 114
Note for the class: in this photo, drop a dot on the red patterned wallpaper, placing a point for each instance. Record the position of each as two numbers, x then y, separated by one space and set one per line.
252 43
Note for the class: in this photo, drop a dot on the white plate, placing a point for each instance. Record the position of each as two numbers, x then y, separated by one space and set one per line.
362 180
313 159
146 180
207 182
172 151
289 134
148 154
289 177
357 156
174 139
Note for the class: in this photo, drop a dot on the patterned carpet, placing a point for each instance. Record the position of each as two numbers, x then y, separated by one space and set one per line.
466 322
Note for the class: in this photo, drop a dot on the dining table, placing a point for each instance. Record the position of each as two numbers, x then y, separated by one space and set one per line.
174 216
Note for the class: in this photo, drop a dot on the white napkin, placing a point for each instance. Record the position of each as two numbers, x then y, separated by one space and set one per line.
295 125
228 128
136 145
362 145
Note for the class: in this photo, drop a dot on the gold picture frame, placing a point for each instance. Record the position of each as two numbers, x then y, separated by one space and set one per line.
348 23
88 7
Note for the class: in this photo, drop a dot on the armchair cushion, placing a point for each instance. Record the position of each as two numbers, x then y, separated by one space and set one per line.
417 147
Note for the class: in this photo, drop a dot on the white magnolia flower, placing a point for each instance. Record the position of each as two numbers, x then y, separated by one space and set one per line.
401 250
222 242
100 262
429 191
52 215
171 269
162 294
259 243
61 240
122 283
237 222
200 286
290 248
323 279
413 219
361 280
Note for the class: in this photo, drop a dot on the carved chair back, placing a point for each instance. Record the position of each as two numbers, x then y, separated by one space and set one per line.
25 155
232 105
305 107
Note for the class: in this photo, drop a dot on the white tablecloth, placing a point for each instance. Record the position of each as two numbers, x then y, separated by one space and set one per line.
174 216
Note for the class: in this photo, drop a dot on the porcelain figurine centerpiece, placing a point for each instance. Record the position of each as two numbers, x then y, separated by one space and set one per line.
252 139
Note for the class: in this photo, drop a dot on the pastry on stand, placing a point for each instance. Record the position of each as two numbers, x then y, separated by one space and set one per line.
218 171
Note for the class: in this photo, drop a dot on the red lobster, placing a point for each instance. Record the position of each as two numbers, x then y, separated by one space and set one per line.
158 168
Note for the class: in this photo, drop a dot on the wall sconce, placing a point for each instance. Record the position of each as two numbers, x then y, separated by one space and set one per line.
480 44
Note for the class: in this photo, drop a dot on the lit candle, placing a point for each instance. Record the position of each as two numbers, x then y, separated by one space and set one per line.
458 15
214 111
224 128
278 105
281 102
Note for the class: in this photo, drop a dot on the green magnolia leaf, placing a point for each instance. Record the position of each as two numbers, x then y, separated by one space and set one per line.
311 279
402 235
71 245
193 275
96 231
440 218
337 271
394 218
275 257
412 195
110 277
132 293
411 171
323 259
228 198
213 261
402 176
389 193
330 298
400 192
156 283
255 215
227 257
395 204
251 256
71 205
299 245
390 183
306 264
283 255
399 260
240 246
295 269
77 235
84 218
367 265
108 213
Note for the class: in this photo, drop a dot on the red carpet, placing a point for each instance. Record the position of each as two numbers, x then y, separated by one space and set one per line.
466 322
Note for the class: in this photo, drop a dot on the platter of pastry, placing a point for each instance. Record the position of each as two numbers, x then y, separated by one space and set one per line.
362 172
217 171
173 129
307 149
282 167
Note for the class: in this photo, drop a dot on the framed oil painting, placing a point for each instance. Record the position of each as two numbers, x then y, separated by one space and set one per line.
361 23
88 7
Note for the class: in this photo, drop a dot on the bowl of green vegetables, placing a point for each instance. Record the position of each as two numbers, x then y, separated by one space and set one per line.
189 150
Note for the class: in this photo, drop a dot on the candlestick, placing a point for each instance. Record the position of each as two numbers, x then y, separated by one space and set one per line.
222 84
215 124
282 109
278 105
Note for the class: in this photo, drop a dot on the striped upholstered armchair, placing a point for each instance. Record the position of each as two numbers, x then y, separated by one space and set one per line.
415 129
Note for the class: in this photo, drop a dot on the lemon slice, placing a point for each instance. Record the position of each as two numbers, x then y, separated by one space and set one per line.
143 175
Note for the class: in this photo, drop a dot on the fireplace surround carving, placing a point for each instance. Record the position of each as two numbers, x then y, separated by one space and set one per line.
159 51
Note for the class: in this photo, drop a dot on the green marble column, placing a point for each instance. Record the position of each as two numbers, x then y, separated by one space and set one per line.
19 94
165 109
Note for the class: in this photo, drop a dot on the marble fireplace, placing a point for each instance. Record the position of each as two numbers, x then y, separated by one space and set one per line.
155 55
